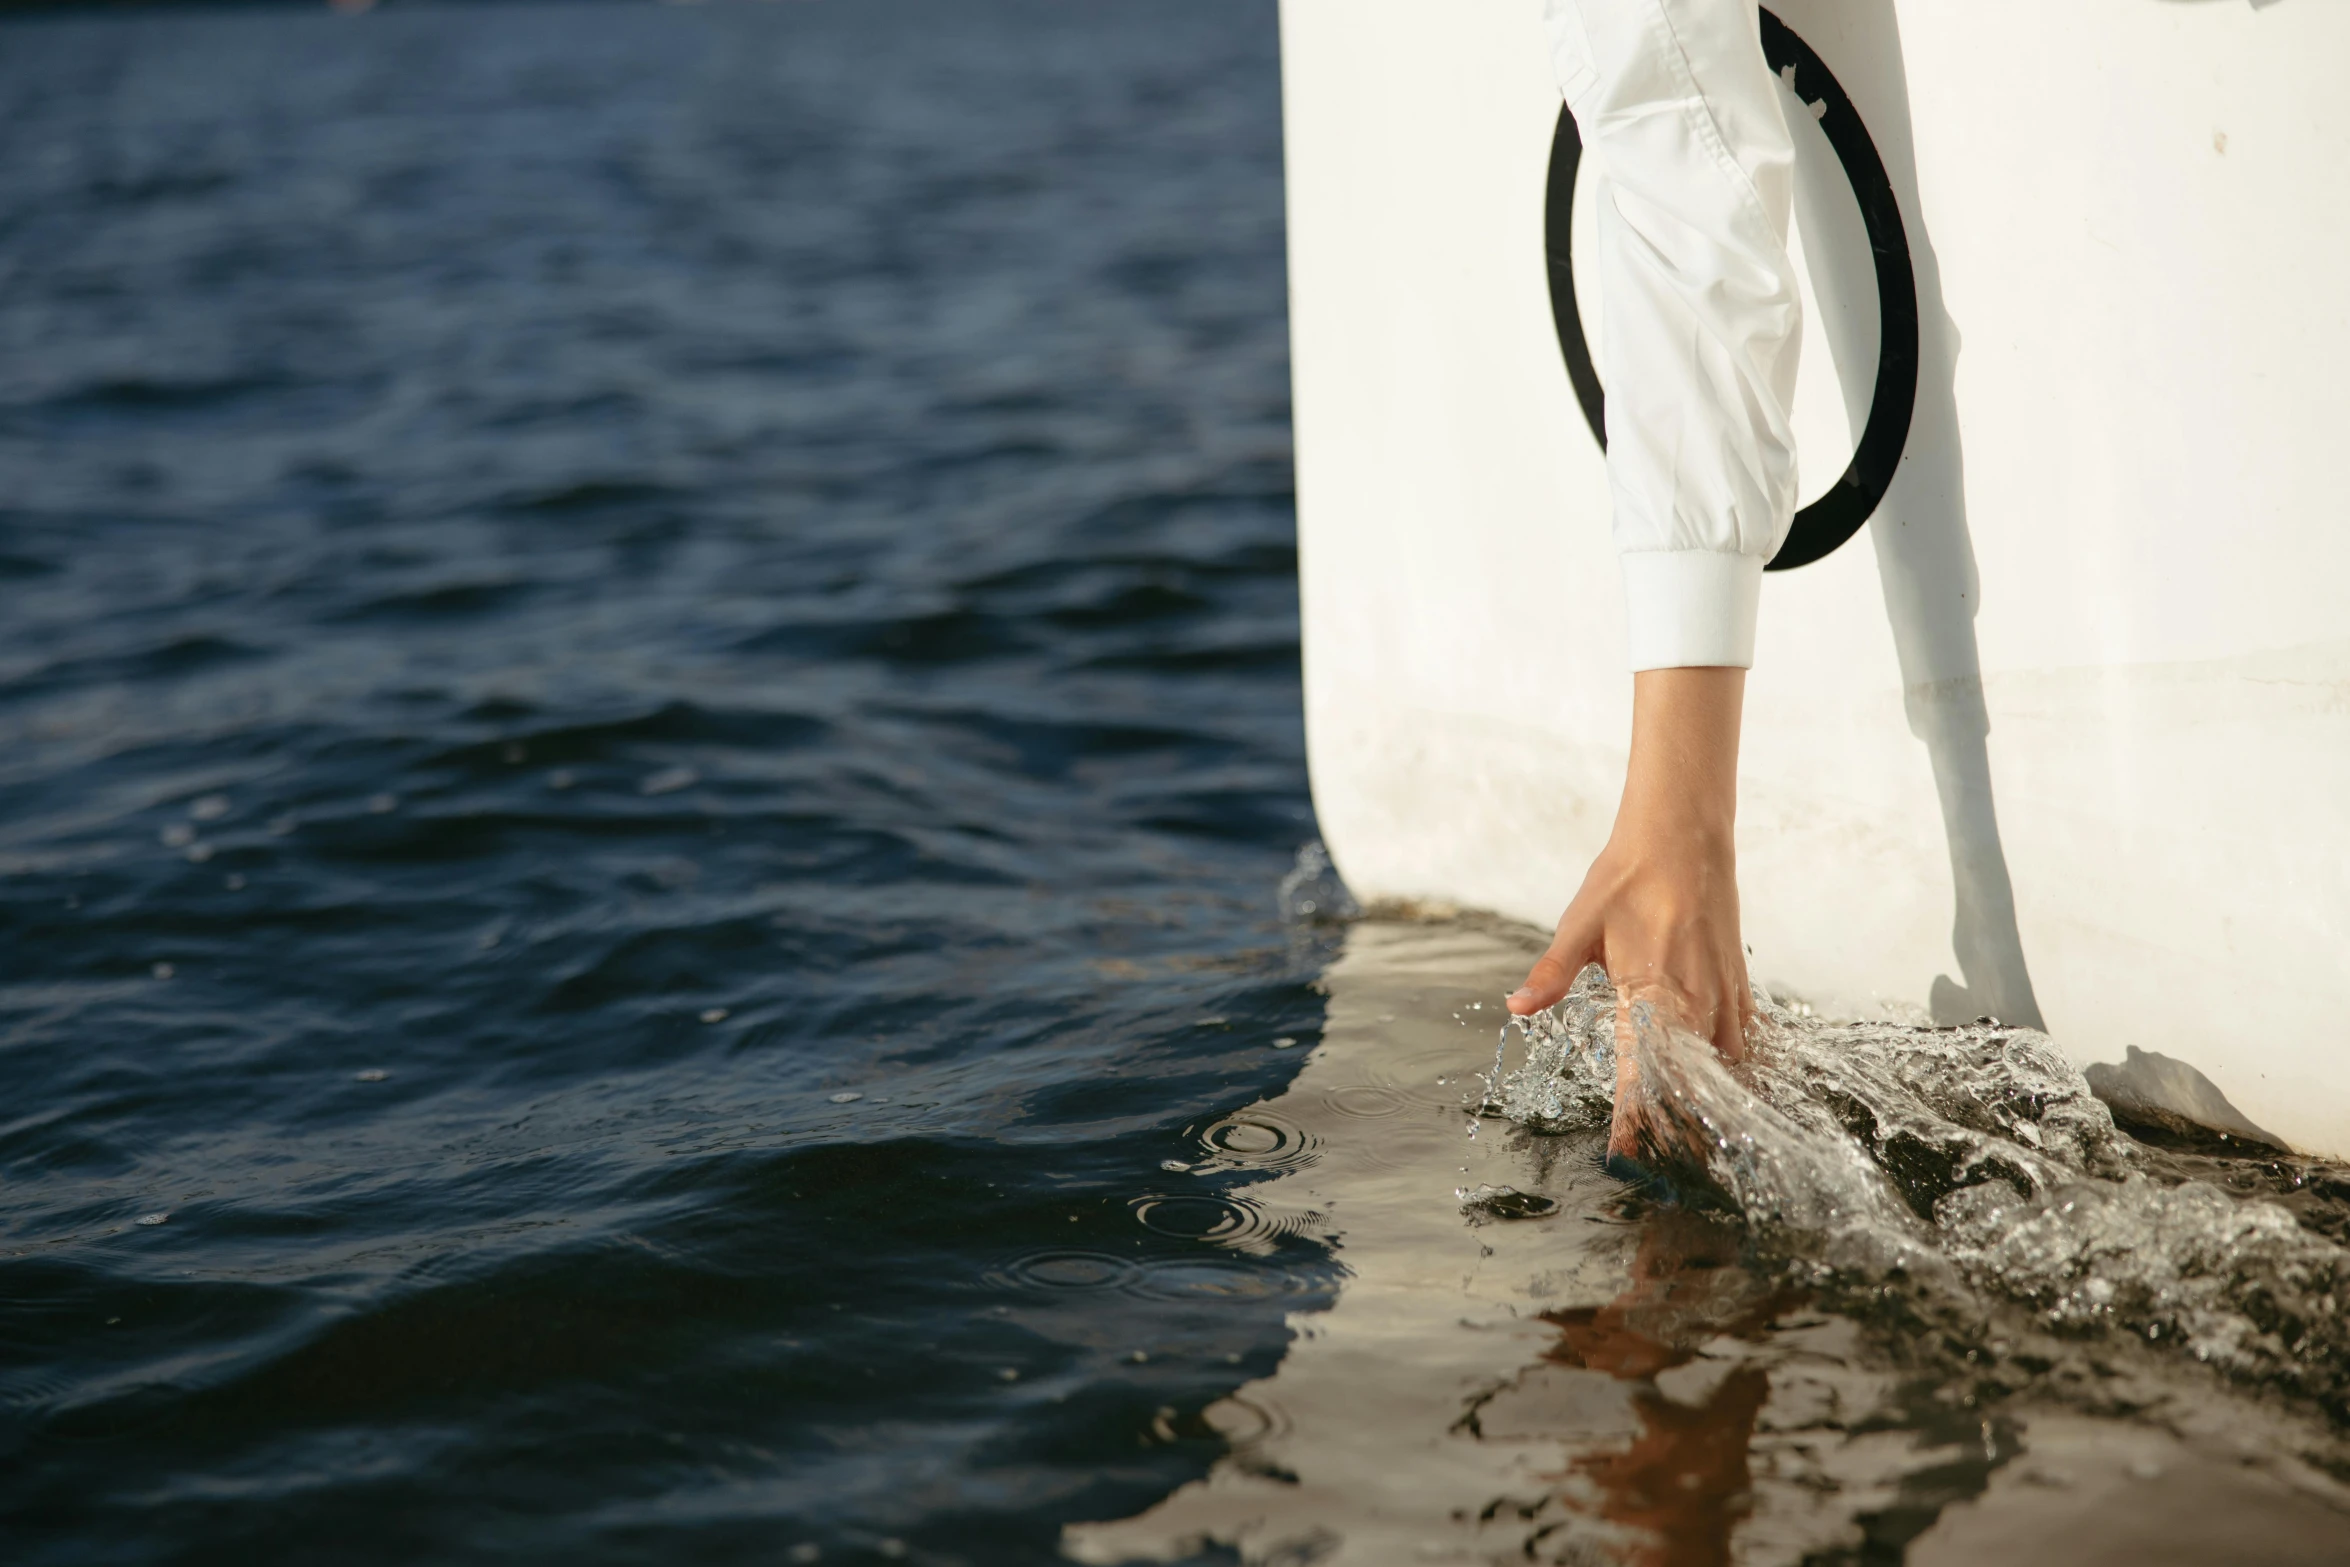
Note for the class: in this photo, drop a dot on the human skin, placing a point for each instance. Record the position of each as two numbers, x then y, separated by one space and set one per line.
1659 907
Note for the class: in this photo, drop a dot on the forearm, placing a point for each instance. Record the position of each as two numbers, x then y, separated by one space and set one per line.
1683 775
1702 328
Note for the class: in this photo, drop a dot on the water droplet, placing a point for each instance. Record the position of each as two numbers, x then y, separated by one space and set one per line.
714 1014
1174 1167
849 1098
163 971
178 835
152 1219
1008 1374
211 808
1285 1042
669 780
1138 1357
383 804
1210 1022
373 1074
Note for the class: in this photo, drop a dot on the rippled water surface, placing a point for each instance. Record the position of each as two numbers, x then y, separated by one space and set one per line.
1890 1294
649 677
648 662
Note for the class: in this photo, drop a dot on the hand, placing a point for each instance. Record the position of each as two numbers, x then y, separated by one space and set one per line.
1659 907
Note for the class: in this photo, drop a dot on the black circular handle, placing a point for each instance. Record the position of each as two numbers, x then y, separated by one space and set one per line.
1826 523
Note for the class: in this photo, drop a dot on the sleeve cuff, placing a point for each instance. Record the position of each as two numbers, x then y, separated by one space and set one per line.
1691 607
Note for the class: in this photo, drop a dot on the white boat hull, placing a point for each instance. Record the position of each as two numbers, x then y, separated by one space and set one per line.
2065 730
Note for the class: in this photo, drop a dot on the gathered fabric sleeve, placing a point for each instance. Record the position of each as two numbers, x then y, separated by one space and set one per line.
1700 320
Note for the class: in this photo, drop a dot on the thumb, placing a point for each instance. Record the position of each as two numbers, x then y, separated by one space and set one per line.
1553 974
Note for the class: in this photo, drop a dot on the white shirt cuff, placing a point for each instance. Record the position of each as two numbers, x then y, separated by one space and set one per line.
1688 608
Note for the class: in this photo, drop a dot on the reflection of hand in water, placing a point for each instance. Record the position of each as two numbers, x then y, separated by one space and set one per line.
1682 1484
1659 907
1686 1287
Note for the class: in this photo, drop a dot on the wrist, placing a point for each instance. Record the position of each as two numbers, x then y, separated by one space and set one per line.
1685 835
1687 803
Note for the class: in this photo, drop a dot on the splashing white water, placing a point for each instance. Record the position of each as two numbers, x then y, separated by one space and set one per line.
1974 1159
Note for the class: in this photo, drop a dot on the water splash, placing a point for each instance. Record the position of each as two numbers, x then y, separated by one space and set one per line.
1973 1166
1311 892
1485 1202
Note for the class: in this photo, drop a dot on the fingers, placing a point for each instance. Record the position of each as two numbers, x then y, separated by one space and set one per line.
1624 1127
1733 1013
1648 1130
1718 1013
1654 1124
1729 1039
1553 974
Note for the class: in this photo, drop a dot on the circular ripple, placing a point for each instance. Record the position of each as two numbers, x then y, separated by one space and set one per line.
1226 1220
1064 1271
1247 1422
1462 1068
1255 1140
1213 1280
1246 1139
1367 1101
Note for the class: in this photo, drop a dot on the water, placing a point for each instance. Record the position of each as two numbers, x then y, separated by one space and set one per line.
649 668
1932 1340
1976 1165
652 909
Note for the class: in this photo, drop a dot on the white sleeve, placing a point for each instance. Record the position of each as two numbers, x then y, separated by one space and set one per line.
1700 322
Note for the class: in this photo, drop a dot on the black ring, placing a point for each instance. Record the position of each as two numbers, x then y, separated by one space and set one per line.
1836 516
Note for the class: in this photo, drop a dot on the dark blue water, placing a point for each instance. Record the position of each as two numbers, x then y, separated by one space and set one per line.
581 587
